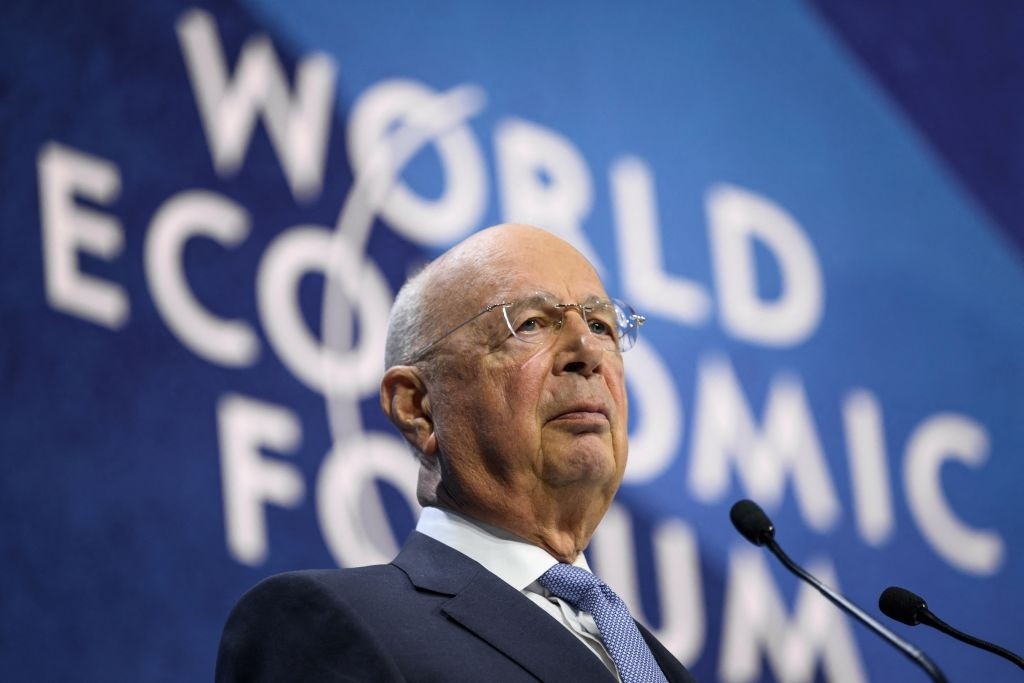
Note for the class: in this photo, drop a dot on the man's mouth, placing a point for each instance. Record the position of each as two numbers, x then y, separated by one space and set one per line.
584 412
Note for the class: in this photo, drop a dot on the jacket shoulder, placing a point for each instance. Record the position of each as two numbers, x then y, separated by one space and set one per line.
303 626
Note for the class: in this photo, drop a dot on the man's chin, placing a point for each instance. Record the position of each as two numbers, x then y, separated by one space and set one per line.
589 459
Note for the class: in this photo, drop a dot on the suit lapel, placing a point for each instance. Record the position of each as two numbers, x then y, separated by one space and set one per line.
497 613
511 623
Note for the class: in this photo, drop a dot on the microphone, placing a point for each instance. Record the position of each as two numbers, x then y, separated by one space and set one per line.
751 521
911 609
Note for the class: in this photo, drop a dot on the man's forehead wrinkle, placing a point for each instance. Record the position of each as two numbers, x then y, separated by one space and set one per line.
549 296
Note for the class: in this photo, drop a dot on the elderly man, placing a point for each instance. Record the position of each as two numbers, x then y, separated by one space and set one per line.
505 375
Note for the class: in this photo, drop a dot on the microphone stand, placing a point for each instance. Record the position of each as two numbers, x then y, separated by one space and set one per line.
925 616
842 603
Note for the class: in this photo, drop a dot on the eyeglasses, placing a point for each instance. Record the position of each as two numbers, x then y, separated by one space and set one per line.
614 324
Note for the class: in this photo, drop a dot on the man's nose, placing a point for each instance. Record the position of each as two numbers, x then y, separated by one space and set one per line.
577 349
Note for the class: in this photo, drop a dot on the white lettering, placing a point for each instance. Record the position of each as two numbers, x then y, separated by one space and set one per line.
230 343
311 249
372 124
941 438
352 516
736 218
249 480
298 128
754 619
725 433
869 472
69 229
544 180
658 433
647 284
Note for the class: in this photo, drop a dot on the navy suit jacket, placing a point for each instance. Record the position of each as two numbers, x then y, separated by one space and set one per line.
433 614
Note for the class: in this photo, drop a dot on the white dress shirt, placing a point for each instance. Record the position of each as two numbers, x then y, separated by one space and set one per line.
517 563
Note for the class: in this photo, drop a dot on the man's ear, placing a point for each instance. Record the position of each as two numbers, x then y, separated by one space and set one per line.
403 397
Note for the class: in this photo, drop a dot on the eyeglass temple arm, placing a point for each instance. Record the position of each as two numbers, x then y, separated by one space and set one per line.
422 352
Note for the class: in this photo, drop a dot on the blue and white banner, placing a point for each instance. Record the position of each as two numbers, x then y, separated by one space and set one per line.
208 208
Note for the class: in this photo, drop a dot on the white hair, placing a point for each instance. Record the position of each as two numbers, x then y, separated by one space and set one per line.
409 322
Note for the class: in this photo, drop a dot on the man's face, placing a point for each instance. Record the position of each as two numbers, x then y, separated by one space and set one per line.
516 419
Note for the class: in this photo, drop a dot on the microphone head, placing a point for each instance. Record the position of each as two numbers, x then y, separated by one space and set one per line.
750 520
902 605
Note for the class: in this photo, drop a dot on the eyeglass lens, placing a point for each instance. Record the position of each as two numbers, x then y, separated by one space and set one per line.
536 319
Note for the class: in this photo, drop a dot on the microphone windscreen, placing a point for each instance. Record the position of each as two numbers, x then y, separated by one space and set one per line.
751 521
901 605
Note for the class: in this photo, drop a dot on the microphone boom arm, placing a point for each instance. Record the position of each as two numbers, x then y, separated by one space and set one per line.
842 603
930 619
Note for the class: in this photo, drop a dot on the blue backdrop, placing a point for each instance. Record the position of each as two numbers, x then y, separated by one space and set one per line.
208 208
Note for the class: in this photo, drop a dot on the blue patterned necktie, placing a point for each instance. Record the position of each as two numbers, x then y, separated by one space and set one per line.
619 633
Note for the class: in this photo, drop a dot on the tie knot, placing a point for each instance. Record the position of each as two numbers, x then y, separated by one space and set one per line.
587 593
575 585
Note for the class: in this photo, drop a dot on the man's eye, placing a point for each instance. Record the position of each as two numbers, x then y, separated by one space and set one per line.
530 325
601 328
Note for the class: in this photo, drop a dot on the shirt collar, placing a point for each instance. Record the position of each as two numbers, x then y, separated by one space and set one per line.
510 558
